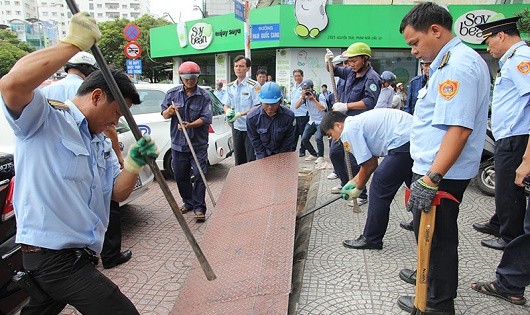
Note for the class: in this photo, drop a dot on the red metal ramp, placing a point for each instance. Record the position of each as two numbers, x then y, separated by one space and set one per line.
248 242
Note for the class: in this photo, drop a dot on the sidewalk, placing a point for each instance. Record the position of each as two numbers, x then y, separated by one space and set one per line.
337 280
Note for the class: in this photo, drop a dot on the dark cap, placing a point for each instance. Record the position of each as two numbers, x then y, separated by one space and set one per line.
497 26
307 84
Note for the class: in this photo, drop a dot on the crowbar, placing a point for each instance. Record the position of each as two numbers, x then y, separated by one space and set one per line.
193 154
426 231
356 208
208 271
319 207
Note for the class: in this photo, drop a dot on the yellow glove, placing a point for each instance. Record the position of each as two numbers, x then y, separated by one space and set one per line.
83 32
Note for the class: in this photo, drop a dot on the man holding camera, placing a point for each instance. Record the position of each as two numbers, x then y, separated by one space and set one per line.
316 107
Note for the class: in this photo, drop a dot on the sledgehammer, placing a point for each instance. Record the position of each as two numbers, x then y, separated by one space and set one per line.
426 231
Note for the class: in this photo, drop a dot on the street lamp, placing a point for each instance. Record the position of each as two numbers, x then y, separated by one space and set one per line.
196 7
166 14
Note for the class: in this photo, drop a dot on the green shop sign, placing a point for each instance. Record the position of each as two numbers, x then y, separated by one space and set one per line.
337 26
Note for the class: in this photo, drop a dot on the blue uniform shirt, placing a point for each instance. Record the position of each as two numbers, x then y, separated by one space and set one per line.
457 94
375 132
365 88
63 89
415 85
65 177
271 135
385 98
315 114
192 108
219 94
241 97
510 108
296 93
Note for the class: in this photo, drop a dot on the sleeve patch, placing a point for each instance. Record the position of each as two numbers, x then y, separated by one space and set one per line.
448 89
524 67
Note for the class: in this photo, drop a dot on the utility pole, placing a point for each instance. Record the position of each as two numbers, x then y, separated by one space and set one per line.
246 33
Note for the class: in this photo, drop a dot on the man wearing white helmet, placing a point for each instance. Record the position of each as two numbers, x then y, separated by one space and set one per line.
80 66
387 91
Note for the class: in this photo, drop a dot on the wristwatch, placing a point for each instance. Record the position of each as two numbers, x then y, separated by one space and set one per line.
435 177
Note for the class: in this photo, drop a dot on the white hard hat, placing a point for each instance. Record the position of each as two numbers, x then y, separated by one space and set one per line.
83 58
339 59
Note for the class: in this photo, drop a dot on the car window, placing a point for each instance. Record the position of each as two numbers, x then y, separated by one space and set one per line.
217 106
150 102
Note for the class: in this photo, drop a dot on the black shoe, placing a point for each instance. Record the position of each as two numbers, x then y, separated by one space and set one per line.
360 243
407 275
301 154
406 303
409 226
495 243
124 257
486 228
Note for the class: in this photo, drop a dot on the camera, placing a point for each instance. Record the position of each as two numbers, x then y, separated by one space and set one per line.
308 93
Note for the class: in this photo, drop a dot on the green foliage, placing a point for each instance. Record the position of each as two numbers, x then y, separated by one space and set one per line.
524 23
113 41
11 50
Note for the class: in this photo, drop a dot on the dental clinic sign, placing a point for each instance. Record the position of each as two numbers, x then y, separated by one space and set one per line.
200 35
465 26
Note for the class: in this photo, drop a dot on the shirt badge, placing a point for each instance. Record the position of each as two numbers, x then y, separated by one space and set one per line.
257 88
346 146
524 67
373 87
448 89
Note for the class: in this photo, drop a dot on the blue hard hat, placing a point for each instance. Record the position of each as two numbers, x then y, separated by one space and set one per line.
270 93
388 76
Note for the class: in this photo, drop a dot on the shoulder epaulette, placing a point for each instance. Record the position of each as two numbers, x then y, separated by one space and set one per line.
58 105
231 83
513 53
445 60
252 82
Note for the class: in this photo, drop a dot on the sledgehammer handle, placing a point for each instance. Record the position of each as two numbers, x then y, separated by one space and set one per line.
210 275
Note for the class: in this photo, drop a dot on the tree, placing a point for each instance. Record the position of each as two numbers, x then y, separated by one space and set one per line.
524 23
11 50
113 41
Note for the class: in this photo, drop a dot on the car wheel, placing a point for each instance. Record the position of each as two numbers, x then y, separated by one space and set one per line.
168 165
486 177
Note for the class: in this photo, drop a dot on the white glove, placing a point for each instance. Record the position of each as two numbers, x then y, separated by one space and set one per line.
328 56
340 107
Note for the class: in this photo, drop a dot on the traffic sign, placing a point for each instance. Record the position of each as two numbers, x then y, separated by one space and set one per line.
132 50
131 32
133 66
239 10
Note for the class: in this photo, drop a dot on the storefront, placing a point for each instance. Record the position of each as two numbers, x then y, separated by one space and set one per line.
286 37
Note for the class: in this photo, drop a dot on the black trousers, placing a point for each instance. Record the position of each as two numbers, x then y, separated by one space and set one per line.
112 243
510 199
243 149
301 121
443 263
68 277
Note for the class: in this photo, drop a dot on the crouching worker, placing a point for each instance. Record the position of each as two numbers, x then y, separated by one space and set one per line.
368 136
271 128
67 174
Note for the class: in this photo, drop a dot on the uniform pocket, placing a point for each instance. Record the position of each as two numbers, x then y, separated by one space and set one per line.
73 159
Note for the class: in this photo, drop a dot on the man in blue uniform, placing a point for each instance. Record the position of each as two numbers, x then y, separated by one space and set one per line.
63 193
387 90
193 104
415 85
510 122
271 127
241 97
446 141
513 272
360 93
299 108
368 136
219 91
316 106
512 89
78 68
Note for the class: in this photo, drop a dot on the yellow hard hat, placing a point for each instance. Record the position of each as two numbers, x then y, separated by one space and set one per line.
358 49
